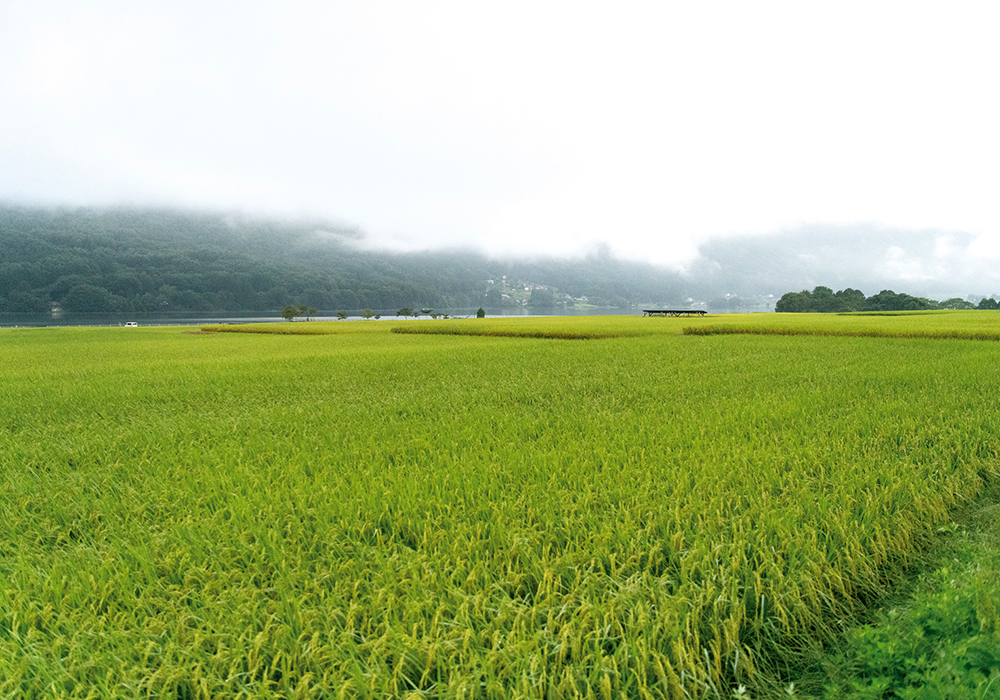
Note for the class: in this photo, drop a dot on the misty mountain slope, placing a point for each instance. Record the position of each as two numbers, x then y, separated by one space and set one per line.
148 260
871 258
159 260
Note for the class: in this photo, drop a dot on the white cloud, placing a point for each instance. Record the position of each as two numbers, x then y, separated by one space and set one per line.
904 267
532 126
985 246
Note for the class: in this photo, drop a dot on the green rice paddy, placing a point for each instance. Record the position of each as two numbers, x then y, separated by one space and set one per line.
557 508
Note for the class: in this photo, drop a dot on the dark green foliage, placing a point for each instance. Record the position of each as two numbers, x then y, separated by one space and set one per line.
21 301
90 298
541 299
171 261
956 303
825 300
850 300
494 298
161 260
937 652
944 641
795 302
888 300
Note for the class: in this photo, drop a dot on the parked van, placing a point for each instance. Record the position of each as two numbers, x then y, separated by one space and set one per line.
131 324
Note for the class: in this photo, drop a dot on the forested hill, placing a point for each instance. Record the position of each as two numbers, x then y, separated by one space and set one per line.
90 260
825 300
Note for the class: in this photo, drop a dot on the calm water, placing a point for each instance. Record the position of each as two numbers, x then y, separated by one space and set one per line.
8 320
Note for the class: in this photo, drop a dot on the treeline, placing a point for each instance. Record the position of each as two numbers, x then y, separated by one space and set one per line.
127 260
825 300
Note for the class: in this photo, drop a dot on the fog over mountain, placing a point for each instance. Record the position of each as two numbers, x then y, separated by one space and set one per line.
151 260
935 264
746 143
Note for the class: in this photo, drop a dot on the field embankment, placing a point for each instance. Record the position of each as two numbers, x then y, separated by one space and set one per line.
291 328
940 640
939 334
375 514
959 325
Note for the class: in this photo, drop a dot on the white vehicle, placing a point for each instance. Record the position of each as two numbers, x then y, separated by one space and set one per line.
131 324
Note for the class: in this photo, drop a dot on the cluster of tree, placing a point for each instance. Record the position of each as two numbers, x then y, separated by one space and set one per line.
417 313
290 313
825 300
127 260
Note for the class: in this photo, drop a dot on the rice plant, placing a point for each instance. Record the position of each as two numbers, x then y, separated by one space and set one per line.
370 514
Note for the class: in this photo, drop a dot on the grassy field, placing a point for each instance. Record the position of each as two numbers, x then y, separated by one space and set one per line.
615 510
940 639
958 325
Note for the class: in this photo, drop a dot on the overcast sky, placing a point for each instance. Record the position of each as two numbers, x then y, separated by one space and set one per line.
515 126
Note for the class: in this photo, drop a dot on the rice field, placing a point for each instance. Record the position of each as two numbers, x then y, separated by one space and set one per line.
351 512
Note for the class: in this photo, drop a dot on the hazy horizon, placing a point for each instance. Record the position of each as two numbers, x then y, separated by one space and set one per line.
929 263
860 137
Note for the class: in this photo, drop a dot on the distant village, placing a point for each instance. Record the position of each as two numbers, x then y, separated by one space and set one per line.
504 293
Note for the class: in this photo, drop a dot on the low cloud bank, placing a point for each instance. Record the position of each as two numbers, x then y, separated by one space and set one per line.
931 263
